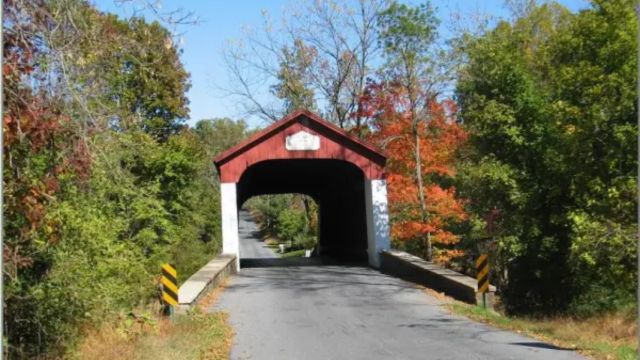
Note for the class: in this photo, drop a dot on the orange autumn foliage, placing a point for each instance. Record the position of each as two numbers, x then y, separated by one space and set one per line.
440 136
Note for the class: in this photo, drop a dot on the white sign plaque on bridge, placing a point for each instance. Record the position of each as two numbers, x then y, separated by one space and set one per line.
302 141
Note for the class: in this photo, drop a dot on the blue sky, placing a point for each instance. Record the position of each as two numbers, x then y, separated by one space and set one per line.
223 20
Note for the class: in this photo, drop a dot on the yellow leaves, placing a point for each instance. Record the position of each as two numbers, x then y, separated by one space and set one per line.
445 256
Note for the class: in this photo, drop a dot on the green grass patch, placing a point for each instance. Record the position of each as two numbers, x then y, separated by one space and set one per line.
294 253
607 336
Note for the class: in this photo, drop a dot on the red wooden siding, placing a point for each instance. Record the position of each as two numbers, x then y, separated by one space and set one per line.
269 144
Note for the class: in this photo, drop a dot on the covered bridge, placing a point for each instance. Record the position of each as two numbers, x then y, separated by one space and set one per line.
303 153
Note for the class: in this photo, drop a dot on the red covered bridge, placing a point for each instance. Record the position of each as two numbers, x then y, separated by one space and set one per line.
302 153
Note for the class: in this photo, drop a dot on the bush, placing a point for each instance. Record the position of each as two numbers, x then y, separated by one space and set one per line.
304 241
145 203
602 252
291 223
289 217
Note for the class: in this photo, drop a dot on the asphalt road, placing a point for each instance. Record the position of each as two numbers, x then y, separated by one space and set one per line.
251 247
353 312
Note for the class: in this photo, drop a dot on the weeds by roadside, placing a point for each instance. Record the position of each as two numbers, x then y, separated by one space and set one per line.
196 335
607 336
144 334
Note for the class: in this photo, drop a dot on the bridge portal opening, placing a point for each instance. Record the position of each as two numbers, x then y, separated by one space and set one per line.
336 186
305 154
278 230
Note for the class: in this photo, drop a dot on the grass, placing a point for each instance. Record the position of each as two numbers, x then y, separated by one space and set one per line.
608 336
193 336
294 253
196 335
274 244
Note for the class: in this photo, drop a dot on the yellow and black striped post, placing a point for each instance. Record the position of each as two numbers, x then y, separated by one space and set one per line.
482 267
169 287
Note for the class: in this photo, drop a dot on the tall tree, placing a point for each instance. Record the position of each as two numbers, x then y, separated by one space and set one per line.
294 77
89 191
120 73
340 36
407 35
552 130
219 134
392 128
150 81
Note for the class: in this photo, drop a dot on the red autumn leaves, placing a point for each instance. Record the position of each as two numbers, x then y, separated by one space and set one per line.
439 137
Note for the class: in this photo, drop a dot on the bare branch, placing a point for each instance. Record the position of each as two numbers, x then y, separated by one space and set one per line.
344 39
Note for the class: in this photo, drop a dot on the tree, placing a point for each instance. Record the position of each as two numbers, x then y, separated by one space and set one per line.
438 141
216 136
406 35
294 78
598 115
89 190
118 73
552 135
220 134
151 79
292 218
329 48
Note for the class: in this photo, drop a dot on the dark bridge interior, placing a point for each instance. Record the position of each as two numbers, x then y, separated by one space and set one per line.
337 186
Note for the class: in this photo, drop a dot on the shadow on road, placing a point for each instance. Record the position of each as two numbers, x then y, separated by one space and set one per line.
297 262
541 345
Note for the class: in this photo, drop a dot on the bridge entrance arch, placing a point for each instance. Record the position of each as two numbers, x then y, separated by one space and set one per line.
303 153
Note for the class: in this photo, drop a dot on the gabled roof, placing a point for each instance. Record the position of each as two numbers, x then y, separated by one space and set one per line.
285 122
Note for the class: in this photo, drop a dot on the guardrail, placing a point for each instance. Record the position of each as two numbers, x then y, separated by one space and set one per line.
204 280
436 277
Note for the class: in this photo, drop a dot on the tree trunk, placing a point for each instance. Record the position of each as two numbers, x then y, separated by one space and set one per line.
423 205
307 212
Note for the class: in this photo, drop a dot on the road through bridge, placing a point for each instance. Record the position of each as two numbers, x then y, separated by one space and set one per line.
352 312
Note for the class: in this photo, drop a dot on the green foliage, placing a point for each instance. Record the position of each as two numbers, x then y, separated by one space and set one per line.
218 135
292 218
153 78
407 33
269 207
305 241
290 223
102 183
550 172
603 254
295 77
146 203
126 73
407 36
294 254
